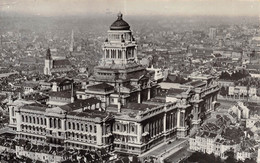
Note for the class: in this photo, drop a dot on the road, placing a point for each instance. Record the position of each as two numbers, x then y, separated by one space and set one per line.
179 155
163 150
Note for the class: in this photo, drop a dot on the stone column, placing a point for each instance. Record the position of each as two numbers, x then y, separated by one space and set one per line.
164 123
19 120
178 118
99 134
139 132
48 122
139 97
135 54
149 94
63 125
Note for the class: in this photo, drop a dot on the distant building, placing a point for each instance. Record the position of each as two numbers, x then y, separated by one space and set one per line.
56 65
212 33
240 110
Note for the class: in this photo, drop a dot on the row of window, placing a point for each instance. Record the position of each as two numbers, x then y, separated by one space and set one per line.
32 128
34 120
113 53
86 137
124 128
82 127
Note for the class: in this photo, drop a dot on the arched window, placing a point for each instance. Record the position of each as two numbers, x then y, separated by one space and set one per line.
95 129
41 121
90 128
59 123
69 125
82 128
73 126
33 120
22 118
54 123
119 54
77 126
30 119
26 119
107 53
37 119
86 127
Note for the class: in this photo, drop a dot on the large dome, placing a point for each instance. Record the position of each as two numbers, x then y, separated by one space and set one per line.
120 24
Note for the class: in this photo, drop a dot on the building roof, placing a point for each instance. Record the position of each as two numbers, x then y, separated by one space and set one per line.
104 87
131 109
61 94
61 63
90 113
196 83
35 97
61 81
80 104
35 107
120 24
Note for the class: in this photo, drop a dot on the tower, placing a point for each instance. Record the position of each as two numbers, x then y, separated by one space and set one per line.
120 46
212 33
48 63
119 57
72 42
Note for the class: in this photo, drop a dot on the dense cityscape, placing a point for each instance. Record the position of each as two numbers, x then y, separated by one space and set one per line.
114 88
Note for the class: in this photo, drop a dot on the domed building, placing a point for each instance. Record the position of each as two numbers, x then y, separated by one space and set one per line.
120 69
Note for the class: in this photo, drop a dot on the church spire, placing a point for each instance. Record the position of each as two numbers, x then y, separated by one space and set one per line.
48 54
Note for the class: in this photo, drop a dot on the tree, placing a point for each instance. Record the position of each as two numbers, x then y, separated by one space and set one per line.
247 160
230 156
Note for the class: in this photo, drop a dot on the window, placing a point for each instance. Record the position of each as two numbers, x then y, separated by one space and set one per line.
86 127
113 53
90 128
73 126
107 53
77 126
95 129
119 54
12 111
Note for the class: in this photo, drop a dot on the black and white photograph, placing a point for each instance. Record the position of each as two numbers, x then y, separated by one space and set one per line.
129 81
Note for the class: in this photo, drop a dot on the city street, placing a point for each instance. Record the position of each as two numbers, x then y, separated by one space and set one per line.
179 155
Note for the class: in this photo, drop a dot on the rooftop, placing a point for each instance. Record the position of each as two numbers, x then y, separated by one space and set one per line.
131 109
80 104
35 106
90 113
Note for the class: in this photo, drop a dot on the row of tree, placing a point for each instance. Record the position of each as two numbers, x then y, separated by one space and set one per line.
234 76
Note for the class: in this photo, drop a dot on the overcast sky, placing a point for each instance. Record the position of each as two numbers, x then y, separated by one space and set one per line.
133 7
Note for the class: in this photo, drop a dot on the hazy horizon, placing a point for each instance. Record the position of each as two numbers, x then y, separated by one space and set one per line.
132 7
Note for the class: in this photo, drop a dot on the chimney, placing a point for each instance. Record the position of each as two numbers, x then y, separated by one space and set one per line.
10 98
19 96
72 94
